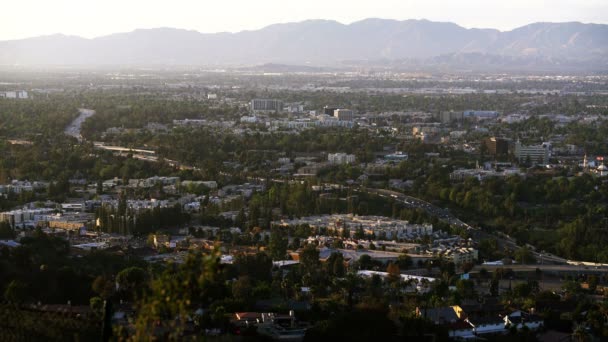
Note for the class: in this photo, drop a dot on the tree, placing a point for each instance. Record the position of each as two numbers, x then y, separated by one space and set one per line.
16 292
394 274
337 244
355 326
242 289
359 233
257 267
131 281
96 305
6 232
572 288
295 243
366 262
592 281
350 284
345 233
580 334
404 261
99 187
309 259
278 244
335 265
103 286
465 288
524 255
175 294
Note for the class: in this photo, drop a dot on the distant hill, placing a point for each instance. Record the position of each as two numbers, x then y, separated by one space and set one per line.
328 43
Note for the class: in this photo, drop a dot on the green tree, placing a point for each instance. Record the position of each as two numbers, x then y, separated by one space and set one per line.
6 232
309 260
335 265
404 261
242 289
524 255
131 281
278 244
17 292
175 294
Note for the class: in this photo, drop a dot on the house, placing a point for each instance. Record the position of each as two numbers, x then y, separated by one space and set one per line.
488 307
442 315
487 325
450 317
246 318
520 319
460 330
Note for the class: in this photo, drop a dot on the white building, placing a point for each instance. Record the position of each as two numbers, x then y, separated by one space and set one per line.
294 108
461 256
19 94
538 154
21 217
249 119
341 158
398 156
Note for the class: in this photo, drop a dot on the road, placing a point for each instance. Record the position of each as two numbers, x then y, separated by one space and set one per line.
544 268
73 129
413 202
146 155
445 215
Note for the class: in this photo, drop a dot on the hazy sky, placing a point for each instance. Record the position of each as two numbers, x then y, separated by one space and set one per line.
91 18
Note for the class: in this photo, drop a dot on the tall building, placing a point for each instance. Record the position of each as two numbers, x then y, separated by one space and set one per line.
538 154
329 110
344 114
496 146
266 105
447 117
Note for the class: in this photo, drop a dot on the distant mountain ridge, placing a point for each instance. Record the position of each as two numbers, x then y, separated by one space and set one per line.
324 42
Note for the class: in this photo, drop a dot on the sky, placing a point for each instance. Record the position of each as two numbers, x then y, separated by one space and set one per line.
93 18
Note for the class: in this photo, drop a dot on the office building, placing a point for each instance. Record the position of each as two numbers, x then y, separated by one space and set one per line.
344 114
266 105
496 146
537 154
448 117
480 114
329 110
19 94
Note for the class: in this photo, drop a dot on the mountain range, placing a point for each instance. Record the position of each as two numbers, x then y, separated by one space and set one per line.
329 43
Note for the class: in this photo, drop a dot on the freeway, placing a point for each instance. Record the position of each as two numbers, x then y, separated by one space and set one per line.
103 146
504 240
545 268
413 202
146 155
